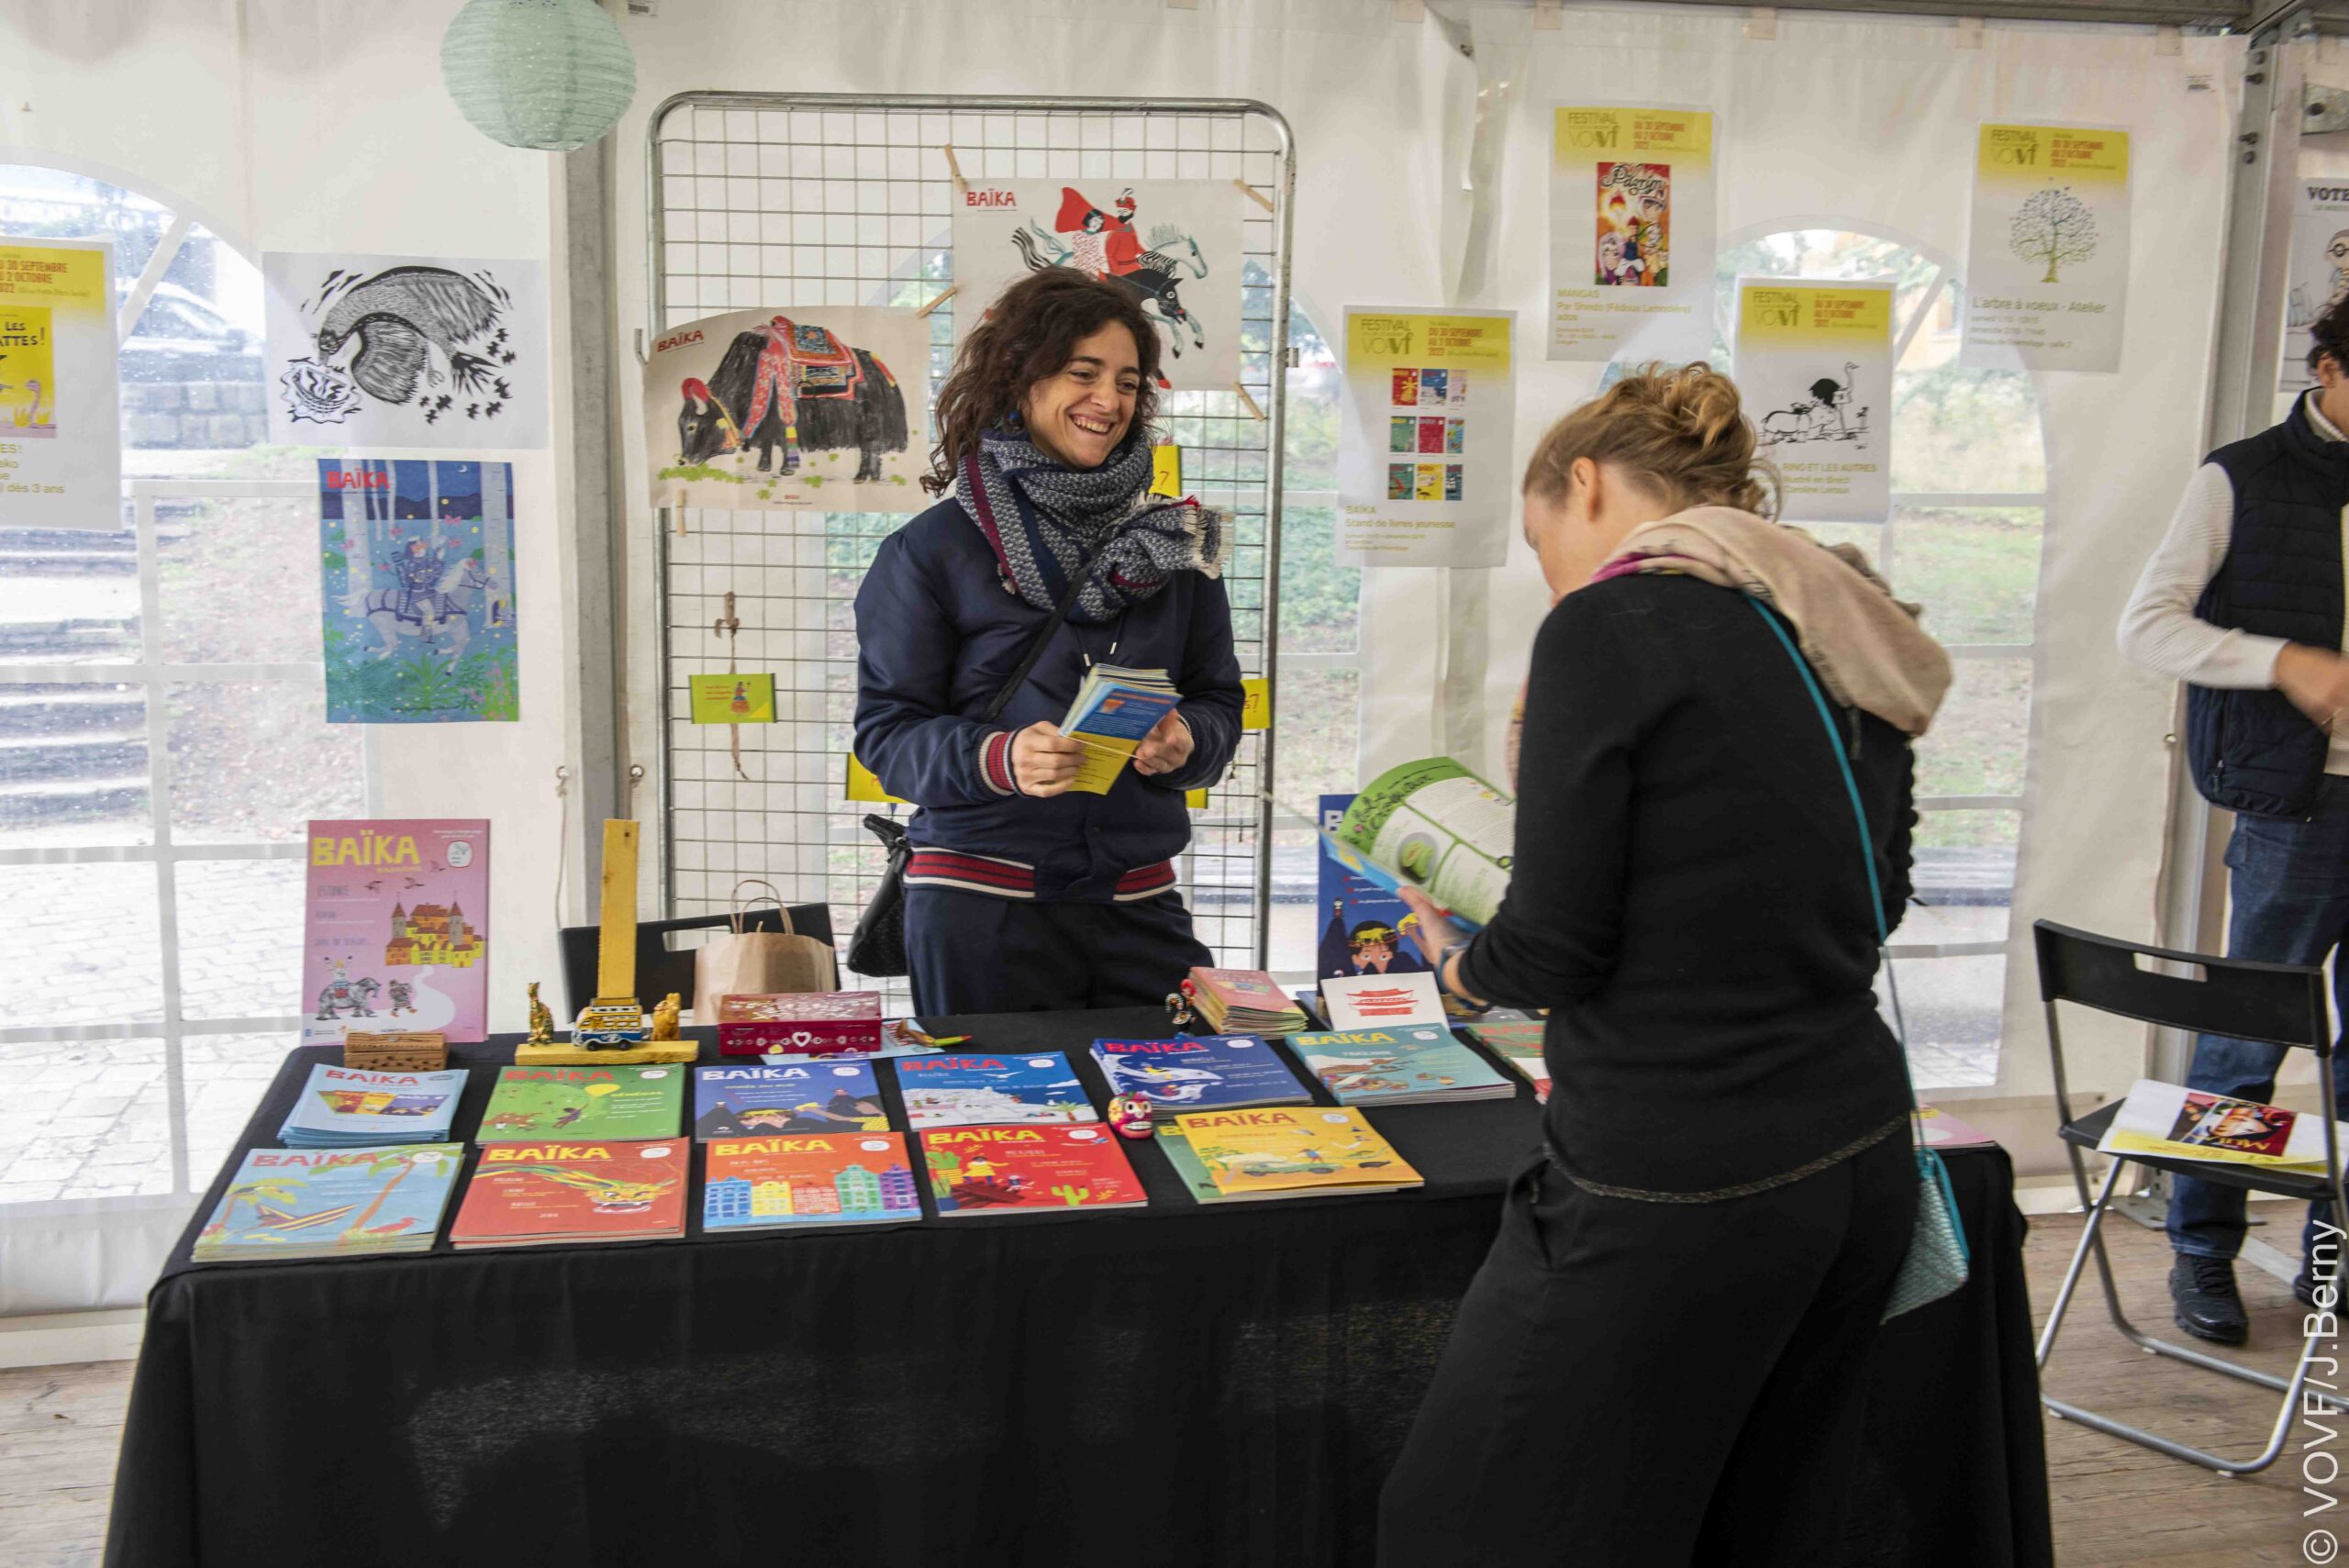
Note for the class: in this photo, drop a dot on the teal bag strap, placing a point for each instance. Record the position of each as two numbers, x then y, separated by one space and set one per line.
1876 894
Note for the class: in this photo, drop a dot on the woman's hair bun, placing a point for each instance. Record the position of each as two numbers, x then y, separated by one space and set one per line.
1680 429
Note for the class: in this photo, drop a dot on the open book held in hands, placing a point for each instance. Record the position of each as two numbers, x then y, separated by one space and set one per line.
1114 709
1434 825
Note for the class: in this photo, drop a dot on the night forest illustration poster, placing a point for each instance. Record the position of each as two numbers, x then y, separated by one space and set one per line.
416 584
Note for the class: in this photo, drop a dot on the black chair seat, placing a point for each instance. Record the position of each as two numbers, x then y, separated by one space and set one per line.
2089 1130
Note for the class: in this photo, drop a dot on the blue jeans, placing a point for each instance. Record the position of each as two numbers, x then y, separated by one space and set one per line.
2290 891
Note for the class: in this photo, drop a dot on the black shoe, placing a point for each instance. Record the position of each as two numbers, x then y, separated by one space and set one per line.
2209 1306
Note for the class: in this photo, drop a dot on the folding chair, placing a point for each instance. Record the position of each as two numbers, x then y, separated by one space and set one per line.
2280 1004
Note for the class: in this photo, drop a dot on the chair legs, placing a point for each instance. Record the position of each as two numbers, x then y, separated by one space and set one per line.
2092 1243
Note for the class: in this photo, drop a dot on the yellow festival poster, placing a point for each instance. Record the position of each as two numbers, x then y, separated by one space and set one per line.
2047 253
60 428
1630 232
1426 442
1814 362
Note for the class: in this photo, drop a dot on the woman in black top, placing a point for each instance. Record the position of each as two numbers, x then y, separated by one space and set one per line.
1661 1359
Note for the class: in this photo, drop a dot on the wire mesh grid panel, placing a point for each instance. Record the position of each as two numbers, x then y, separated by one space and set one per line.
779 201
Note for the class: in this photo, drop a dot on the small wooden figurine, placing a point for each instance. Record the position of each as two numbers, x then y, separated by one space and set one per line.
1131 1115
541 1019
664 1017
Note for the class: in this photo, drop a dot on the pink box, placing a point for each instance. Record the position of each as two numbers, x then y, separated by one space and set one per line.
810 1024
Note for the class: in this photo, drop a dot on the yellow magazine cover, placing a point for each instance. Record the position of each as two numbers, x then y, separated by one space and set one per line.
1296 1149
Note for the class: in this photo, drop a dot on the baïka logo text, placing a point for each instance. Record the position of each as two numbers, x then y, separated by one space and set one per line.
989 198
365 479
682 339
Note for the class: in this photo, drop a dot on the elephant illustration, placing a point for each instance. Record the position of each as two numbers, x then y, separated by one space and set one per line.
353 994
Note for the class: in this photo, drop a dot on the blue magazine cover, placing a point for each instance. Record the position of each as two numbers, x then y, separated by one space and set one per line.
323 1203
1365 928
1002 1087
342 1108
755 1101
1212 1071
1407 1065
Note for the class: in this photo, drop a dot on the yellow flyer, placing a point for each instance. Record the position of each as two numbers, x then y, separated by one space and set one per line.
1630 232
2047 254
732 699
1814 361
60 441
1426 449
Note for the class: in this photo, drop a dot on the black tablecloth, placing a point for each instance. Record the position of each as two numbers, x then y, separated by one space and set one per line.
1207 1387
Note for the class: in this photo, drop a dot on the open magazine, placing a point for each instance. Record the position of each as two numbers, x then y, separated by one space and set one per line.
1434 825
2178 1123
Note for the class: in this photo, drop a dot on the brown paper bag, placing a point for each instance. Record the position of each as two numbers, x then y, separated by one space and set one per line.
759 963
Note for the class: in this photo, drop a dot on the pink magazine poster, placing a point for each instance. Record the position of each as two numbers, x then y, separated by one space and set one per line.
395 930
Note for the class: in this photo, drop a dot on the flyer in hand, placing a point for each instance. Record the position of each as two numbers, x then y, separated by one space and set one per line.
779 1097
286 1204
2178 1123
1200 1072
998 1170
583 1104
1434 825
1114 709
528 1195
763 1183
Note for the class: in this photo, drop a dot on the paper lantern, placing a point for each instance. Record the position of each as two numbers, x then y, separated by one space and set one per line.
554 74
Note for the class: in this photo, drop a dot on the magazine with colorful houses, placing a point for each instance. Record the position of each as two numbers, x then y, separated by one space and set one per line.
395 928
786 1097
285 1204
2178 1123
967 1091
763 1183
1282 1151
1023 1168
1199 1072
1434 825
588 1104
528 1194
356 1108
1419 1065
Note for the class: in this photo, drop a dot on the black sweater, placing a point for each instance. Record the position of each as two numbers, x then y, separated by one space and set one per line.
1688 896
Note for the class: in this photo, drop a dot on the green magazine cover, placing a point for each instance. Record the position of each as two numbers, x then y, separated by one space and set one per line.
585 1105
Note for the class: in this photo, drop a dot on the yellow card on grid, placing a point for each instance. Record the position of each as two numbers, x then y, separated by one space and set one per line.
732 699
1257 708
862 785
1197 799
1166 472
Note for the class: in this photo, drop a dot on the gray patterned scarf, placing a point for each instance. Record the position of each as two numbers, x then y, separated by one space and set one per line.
1044 519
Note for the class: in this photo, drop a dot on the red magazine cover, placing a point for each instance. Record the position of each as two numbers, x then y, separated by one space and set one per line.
528 1194
1025 1167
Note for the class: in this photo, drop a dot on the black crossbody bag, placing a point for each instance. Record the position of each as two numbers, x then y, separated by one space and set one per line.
878 948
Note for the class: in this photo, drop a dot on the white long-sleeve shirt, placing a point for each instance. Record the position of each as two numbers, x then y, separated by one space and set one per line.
2160 630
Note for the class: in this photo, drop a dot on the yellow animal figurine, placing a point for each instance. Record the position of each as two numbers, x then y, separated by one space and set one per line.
542 1020
664 1018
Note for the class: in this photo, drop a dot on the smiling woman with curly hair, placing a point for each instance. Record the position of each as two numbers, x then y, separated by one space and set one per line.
1023 894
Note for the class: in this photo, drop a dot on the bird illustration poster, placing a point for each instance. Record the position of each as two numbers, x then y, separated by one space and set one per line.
822 408
1630 232
2317 277
1814 362
395 928
1176 245
61 426
405 352
1425 439
416 586
2047 251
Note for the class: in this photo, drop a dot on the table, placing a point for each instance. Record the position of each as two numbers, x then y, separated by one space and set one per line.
1209 1388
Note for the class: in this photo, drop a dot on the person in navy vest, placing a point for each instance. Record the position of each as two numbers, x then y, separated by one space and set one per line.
1022 895
2244 601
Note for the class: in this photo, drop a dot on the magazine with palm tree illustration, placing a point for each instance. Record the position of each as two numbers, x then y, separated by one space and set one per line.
287 1204
1434 825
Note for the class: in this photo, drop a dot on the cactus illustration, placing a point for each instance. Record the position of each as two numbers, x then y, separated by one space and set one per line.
1072 1195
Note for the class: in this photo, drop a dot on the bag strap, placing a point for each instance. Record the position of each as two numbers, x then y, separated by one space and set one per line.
1036 649
743 908
1867 844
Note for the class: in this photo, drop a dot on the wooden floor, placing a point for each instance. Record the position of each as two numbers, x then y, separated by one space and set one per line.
2117 1506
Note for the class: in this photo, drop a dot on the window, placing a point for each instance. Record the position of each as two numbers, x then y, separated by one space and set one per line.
1968 507
161 741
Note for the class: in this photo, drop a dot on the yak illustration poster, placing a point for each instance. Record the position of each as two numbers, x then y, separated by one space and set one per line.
61 432
1175 243
2317 275
1631 207
2047 251
405 352
1814 362
395 928
824 407
416 567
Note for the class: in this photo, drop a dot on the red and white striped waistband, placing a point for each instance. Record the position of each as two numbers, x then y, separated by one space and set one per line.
1017 879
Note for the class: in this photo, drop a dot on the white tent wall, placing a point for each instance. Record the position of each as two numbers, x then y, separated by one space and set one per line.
312 125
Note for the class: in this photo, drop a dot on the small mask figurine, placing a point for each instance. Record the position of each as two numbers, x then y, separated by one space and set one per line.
1182 1005
664 1018
542 1020
1131 1115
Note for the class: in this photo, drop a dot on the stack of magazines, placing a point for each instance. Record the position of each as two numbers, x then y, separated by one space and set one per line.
353 1107
1244 1001
1114 709
286 1204
1276 1152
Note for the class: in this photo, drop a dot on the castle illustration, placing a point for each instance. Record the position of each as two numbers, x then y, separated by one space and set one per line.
431 933
854 1190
